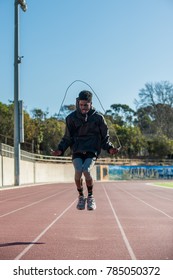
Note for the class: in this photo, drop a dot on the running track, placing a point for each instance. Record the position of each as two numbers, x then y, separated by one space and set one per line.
133 220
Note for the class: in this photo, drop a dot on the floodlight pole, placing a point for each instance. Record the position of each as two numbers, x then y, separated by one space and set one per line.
17 61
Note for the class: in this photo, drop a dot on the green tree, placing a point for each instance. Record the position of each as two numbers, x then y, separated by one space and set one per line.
160 146
39 118
132 141
65 110
7 122
52 134
155 108
121 114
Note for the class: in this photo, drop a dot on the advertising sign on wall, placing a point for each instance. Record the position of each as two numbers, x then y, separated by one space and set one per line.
117 172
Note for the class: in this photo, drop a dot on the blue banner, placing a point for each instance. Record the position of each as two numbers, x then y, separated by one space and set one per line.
117 172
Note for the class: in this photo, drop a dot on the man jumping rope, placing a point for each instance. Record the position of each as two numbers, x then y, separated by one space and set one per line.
86 134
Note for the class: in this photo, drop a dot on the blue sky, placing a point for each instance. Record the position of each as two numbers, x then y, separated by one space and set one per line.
116 46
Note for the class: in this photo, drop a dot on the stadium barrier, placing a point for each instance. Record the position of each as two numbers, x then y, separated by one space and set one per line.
37 168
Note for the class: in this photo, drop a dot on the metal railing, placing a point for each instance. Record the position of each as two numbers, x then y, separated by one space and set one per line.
8 151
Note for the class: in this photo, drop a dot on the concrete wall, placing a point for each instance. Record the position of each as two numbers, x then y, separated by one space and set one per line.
0 170
51 172
36 172
7 171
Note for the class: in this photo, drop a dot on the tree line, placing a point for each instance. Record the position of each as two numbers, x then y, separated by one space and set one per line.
144 132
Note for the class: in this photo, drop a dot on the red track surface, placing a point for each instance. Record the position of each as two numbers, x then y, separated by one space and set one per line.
133 220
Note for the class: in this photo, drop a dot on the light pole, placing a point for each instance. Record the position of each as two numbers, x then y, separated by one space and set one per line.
17 61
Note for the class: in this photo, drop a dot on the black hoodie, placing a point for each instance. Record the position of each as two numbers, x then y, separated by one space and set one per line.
85 133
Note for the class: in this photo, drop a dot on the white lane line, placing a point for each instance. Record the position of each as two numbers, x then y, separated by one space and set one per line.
158 210
29 205
13 198
24 195
6 188
127 244
43 232
162 197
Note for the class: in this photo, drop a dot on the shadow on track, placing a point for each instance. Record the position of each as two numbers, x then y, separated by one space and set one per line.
20 243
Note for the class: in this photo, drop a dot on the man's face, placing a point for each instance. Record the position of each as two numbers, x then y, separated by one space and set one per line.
84 106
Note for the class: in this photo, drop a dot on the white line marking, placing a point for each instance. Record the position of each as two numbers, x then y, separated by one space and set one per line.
129 248
6 188
29 205
18 197
43 232
158 210
162 197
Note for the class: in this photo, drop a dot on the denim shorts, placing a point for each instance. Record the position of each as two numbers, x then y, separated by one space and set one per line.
83 166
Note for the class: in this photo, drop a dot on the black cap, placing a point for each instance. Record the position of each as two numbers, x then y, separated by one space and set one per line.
85 95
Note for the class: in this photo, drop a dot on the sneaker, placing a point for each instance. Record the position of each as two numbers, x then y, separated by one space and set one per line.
91 205
81 203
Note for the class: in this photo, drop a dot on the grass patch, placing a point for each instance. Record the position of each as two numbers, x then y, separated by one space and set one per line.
164 184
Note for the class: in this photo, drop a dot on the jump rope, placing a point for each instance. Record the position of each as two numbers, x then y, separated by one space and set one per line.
76 81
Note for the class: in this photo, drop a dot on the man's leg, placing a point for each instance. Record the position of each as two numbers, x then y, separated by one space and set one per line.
77 163
78 166
87 167
90 184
